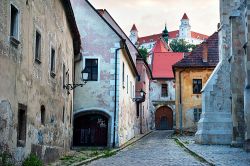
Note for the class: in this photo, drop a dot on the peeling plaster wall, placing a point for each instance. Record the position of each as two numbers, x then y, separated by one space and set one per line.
27 82
189 100
145 115
100 41
156 99
128 125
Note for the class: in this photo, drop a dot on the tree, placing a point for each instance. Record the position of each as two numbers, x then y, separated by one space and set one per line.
144 53
181 46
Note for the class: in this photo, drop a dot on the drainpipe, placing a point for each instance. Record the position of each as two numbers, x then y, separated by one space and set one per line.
180 101
116 52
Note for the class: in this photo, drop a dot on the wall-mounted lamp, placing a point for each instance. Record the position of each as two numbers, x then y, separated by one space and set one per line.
140 98
84 78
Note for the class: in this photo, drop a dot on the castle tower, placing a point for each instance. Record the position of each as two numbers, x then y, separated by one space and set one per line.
133 34
185 28
165 34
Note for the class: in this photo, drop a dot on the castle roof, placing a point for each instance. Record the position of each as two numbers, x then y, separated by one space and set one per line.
171 35
133 28
185 17
195 58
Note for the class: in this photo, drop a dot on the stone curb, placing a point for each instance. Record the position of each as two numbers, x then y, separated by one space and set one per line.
191 151
112 151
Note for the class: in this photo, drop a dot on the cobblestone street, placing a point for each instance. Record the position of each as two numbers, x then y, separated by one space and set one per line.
156 149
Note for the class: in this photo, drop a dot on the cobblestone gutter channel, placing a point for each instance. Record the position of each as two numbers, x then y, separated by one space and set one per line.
193 153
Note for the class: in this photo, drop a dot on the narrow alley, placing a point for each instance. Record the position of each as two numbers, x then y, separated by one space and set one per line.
156 149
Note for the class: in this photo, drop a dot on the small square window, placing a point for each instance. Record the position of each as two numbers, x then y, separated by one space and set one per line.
197 114
92 67
164 90
197 86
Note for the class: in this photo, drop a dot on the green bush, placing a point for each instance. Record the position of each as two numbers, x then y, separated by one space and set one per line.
32 160
5 159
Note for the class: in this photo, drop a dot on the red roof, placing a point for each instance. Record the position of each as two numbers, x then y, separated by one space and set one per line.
162 64
133 28
161 46
172 35
195 58
155 37
198 35
185 17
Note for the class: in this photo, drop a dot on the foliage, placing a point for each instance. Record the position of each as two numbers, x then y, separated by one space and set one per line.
109 153
32 160
181 46
5 159
144 52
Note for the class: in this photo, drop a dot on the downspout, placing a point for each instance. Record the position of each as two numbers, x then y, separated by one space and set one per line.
116 52
180 101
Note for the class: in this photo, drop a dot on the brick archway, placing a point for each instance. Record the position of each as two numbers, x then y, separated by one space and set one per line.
164 118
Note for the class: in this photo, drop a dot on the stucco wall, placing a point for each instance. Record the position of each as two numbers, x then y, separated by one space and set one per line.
100 42
189 101
26 82
128 125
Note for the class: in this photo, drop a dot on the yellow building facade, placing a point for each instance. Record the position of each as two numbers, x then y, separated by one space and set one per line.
191 75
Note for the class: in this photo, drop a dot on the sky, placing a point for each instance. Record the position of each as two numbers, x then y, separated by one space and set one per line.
150 16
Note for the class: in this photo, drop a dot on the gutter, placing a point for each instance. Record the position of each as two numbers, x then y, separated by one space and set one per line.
180 100
116 52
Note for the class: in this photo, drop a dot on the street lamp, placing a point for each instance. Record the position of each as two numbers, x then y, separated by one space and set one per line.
84 79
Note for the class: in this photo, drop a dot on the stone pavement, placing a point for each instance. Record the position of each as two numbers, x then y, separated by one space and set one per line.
220 155
156 149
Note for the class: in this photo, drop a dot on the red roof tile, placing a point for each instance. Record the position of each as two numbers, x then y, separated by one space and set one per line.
161 46
155 37
133 28
162 64
185 17
195 58
198 35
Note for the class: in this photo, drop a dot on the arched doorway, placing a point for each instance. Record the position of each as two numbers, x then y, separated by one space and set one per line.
90 129
164 118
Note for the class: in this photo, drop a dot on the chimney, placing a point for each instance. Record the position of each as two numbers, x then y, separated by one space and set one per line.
205 52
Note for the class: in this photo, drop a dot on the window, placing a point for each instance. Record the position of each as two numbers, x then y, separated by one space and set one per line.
137 110
42 115
63 114
164 90
21 127
38 48
64 75
197 86
92 68
52 63
197 114
14 22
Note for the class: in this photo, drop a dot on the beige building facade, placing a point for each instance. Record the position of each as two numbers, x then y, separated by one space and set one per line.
36 45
